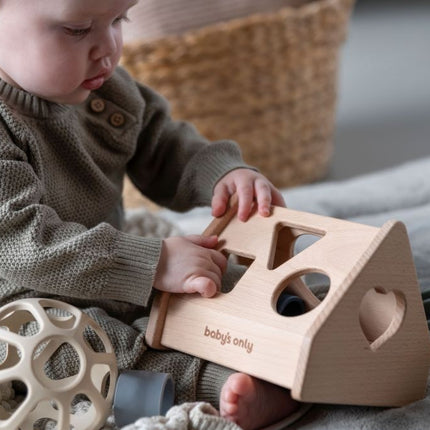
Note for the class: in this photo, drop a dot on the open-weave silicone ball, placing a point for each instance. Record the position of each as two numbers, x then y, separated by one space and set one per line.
61 365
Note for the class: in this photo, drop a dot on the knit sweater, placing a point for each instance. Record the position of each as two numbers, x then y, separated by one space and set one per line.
61 176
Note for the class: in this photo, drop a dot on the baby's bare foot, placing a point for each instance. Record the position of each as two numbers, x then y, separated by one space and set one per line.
252 403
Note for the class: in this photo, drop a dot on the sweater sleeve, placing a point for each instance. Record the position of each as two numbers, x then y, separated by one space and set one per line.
174 165
39 251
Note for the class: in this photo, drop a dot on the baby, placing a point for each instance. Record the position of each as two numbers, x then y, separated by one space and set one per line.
72 124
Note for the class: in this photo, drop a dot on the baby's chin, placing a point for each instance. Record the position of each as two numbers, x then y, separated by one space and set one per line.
73 98
73 95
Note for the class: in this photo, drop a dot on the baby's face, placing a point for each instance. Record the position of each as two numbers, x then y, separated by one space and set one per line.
60 50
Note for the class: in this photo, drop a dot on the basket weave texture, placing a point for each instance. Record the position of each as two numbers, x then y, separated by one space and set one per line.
267 81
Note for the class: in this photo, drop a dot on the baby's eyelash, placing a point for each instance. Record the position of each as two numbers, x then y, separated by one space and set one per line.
81 32
77 32
122 18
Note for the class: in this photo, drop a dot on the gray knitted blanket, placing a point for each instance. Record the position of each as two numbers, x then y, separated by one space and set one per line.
187 416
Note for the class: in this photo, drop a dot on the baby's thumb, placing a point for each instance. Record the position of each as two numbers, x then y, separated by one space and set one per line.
205 241
202 285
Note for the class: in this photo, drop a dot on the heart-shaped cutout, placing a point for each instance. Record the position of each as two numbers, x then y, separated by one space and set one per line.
381 314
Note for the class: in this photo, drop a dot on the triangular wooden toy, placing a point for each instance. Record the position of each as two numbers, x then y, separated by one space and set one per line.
365 343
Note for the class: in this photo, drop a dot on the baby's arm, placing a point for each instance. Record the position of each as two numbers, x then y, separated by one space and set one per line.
190 265
43 252
173 164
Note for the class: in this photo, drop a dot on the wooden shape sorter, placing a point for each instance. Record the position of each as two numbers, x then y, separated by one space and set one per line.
365 343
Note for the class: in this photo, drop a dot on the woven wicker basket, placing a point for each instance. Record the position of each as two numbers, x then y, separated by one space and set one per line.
267 81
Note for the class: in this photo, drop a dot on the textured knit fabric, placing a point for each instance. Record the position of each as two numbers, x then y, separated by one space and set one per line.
188 416
61 215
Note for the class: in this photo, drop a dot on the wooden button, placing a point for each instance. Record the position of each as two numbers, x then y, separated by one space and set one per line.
117 119
97 105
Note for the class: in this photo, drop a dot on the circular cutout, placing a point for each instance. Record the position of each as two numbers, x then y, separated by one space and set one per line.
301 293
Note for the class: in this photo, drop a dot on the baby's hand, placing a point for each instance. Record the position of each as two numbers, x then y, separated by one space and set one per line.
249 186
190 265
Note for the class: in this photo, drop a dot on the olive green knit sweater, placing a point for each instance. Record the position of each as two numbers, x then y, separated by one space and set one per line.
61 177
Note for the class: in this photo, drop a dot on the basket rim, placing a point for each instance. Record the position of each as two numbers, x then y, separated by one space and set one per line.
309 8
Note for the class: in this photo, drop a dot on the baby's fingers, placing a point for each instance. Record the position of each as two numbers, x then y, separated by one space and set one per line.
245 193
202 285
210 242
264 196
220 261
220 200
